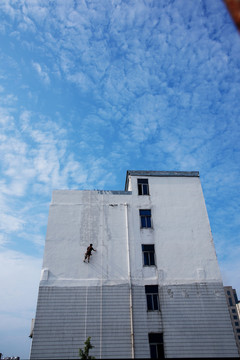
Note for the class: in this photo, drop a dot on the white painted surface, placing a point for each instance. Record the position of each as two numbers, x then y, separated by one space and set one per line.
181 231
77 220
238 309
44 274
181 234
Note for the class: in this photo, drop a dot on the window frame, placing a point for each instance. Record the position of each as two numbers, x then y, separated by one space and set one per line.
148 254
143 187
152 293
145 219
156 346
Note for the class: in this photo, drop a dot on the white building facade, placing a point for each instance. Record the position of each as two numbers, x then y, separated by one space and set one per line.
152 288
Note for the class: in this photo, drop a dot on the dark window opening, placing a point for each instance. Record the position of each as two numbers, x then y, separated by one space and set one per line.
151 292
230 301
156 345
145 216
235 297
148 255
238 330
236 323
228 292
235 317
233 311
143 188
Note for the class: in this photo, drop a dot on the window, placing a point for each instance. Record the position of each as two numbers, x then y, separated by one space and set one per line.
233 311
235 317
151 292
143 188
238 330
148 255
239 337
230 301
236 323
145 216
156 345
235 297
228 292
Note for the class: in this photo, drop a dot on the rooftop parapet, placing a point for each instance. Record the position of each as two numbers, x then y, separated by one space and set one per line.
160 174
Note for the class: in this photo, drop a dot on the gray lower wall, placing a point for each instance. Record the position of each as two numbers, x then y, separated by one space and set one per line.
194 320
66 316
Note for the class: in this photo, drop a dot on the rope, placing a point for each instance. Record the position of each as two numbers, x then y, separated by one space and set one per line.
86 302
86 312
101 283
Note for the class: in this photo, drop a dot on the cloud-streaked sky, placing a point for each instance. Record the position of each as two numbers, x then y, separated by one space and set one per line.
89 89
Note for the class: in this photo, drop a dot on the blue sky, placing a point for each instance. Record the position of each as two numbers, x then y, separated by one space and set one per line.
90 89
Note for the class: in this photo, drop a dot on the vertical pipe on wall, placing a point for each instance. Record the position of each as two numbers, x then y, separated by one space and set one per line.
130 281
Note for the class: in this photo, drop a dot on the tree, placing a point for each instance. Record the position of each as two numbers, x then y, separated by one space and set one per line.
84 354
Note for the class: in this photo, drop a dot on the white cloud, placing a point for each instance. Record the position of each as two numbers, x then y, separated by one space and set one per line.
81 79
3 239
10 223
6 119
65 8
36 160
36 10
25 118
42 73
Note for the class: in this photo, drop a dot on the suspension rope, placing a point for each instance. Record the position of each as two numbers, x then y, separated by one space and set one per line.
101 279
88 237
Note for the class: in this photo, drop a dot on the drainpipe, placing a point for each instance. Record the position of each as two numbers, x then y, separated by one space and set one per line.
129 281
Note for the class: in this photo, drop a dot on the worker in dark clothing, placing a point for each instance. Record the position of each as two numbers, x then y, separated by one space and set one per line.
88 253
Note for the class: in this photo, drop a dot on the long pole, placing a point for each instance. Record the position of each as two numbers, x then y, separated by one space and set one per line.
129 280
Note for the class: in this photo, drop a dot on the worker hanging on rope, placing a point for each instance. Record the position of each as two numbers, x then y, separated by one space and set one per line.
88 253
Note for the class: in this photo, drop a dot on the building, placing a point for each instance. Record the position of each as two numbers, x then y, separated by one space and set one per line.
233 307
238 309
152 288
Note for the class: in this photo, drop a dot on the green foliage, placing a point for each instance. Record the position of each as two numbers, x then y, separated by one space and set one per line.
84 354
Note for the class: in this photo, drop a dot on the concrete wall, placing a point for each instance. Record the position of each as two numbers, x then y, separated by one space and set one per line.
186 271
194 320
66 316
76 219
181 232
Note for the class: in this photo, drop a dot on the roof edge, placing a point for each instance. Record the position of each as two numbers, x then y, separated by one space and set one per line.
160 174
